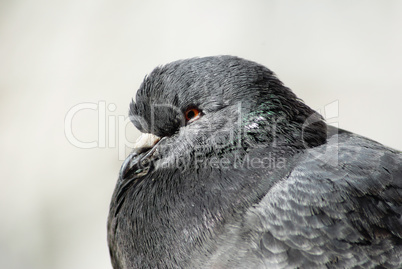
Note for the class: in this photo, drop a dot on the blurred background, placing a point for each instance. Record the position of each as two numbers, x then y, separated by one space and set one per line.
68 70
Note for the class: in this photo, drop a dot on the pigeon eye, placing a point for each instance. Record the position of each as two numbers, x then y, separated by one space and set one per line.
192 114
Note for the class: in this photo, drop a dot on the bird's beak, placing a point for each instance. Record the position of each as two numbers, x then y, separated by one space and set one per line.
145 142
142 144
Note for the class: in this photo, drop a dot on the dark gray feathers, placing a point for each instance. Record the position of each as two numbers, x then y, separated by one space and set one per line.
256 180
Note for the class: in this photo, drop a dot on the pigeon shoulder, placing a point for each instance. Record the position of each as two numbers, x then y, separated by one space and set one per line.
340 207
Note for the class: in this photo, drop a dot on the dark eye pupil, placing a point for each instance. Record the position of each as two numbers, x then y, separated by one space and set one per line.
190 114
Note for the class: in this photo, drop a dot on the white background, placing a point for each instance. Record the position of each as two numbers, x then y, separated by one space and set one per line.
54 55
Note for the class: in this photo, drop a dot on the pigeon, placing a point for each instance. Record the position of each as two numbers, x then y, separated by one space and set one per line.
234 171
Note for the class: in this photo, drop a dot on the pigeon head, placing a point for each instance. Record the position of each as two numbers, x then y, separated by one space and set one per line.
221 98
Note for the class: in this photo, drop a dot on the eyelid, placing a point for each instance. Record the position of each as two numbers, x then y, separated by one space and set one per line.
195 118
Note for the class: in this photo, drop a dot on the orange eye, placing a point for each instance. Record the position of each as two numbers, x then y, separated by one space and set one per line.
192 113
